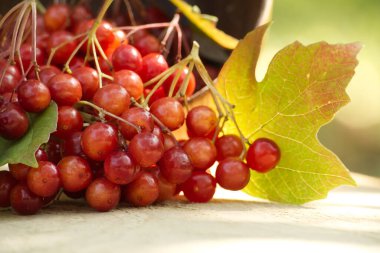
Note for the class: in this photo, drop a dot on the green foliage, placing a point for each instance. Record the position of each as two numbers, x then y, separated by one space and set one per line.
22 150
303 89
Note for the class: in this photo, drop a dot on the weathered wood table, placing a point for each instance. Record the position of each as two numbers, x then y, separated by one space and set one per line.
347 221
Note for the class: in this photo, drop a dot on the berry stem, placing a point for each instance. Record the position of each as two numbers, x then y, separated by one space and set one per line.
102 111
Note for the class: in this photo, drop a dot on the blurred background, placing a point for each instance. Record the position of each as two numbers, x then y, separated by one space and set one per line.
355 133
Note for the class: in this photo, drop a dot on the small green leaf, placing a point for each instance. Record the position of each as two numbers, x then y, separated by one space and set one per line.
303 89
206 24
22 150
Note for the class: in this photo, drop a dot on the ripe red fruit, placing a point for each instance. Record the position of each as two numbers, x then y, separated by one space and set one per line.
23 201
10 77
56 17
120 169
158 94
79 13
127 57
33 96
103 195
65 89
152 65
71 145
26 53
130 81
146 149
75 173
104 33
44 181
169 111
8 97
53 150
143 191
147 44
178 85
201 121
89 80
99 140
138 117
167 190
228 146
20 171
14 122
45 74
175 165
112 98
201 151
200 187
66 43
69 120
6 184
263 155
232 174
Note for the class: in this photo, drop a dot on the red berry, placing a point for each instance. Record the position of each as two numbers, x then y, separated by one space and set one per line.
65 44
103 195
263 155
201 151
146 149
169 111
14 122
26 53
152 65
120 169
56 17
23 201
44 181
33 96
232 174
6 184
69 120
45 74
20 171
143 191
10 77
71 145
201 121
89 80
75 173
131 82
200 187
228 146
178 85
147 44
127 57
112 98
65 89
99 140
138 117
175 165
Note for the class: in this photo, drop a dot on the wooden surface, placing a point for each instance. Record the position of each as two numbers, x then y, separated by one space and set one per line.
347 221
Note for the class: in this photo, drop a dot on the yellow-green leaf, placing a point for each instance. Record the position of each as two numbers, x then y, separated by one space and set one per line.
303 89
206 25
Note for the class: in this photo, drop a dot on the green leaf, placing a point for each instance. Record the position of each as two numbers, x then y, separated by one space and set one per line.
206 24
22 150
303 89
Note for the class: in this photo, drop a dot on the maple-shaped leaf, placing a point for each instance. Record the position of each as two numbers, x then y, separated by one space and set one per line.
303 89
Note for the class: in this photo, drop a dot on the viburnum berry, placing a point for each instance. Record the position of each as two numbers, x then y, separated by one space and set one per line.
263 155
232 174
200 187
